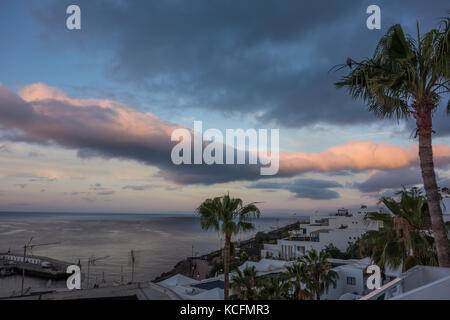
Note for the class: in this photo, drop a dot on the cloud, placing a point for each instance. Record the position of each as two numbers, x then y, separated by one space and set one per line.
103 128
393 179
139 188
42 179
359 156
77 193
303 188
34 154
249 56
105 193
107 129
5 149
96 187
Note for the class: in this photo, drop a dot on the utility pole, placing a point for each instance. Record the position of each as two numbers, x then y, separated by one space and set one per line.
23 268
132 257
30 246
133 260
87 278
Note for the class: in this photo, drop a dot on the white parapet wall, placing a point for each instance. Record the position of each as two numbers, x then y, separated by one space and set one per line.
17 258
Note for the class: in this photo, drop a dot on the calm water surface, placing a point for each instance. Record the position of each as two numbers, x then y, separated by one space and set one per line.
159 240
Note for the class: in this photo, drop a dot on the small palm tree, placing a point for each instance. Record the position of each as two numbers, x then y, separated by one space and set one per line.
383 246
320 272
274 288
406 78
243 283
301 281
405 235
229 216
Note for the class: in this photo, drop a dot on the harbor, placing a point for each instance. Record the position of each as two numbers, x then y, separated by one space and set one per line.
45 276
33 266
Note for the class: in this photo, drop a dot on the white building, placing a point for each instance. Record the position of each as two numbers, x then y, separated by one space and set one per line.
190 289
339 230
266 266
418 283
17 258
352 280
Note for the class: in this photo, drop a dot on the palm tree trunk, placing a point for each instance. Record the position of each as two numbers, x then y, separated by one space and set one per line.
226 265
318 287
424 125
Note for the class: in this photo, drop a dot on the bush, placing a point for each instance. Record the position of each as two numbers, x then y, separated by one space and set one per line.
243 257
334 252
261 237
411 261
217 267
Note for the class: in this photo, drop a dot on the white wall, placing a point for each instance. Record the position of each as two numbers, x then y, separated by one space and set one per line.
15 258
341 284
355 227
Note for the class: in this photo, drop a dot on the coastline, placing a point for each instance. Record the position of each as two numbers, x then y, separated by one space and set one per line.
250 245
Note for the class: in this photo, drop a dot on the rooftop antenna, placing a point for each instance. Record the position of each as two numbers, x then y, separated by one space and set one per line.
91 261
30 246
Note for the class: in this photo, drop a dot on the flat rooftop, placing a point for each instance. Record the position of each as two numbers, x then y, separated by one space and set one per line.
135 291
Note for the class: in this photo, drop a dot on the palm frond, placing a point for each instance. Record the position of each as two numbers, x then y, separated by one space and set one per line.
401 71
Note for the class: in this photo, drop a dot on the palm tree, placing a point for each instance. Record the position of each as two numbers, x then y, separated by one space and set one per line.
303 286
229 216
274 288
406 78
319 269
243 283
405 236
383 246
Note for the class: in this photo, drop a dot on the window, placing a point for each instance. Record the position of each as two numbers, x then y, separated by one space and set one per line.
351 281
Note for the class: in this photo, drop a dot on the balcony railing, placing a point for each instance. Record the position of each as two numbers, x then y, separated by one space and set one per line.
311 239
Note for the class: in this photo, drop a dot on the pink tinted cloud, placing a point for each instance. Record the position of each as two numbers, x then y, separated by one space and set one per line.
359 156
109 129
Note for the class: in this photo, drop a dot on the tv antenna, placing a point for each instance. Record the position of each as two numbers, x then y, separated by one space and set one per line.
91 261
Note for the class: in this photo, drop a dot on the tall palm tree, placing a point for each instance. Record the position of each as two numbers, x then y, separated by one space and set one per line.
303 286
243 283
405 234
229 216
320 271
405 78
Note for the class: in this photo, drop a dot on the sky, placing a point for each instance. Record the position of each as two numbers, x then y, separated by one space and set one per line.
86 115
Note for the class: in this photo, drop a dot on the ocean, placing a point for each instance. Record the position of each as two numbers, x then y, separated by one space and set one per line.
158 240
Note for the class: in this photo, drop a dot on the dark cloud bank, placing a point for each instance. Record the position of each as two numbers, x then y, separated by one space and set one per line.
239 56
314 189
249 56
